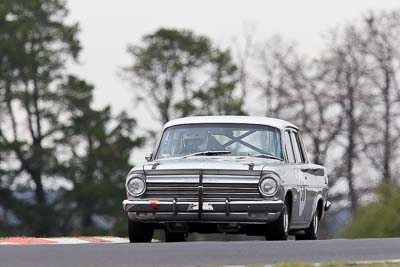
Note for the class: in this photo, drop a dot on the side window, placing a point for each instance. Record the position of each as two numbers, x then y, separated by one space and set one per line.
302 148
289 147
297 148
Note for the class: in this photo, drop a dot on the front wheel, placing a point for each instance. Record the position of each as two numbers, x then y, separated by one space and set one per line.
140 232
279 230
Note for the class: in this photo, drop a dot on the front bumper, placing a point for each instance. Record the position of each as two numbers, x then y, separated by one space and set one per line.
255 211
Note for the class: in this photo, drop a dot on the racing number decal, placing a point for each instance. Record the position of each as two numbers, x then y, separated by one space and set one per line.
303 195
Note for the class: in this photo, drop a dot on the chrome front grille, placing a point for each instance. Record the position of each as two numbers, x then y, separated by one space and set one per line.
171 190
231 191
215 187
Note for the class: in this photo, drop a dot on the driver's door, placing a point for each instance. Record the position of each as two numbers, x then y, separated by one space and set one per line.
302 165
296 165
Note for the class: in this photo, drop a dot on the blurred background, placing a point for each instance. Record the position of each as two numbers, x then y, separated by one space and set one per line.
85 87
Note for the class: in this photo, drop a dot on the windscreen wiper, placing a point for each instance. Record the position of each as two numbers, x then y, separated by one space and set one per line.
266 156
208 153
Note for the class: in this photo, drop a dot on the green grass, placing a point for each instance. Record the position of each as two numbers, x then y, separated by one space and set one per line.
340 264
297 264
331 264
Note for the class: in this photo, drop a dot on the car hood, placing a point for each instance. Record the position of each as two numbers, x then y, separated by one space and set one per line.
211 163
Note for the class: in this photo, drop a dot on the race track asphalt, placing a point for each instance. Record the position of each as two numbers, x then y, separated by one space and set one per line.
199 253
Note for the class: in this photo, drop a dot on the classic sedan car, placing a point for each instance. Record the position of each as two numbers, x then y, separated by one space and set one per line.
227 174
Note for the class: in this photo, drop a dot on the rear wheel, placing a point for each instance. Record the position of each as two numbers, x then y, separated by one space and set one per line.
175 237
310 233
140 232
279 230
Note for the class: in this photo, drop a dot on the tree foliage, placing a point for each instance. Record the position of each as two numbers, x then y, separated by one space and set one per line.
181 74
100 147
35 43
345 99
49 133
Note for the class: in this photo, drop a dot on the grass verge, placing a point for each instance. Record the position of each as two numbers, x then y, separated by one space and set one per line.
341 264
331 264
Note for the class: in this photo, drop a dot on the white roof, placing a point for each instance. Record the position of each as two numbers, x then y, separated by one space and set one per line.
277 123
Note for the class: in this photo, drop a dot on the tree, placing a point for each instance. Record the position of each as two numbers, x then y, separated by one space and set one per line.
36 43
100 147
244 52
294 90
178 72
361 65
276 86
346 71
219 98
382 48
63 162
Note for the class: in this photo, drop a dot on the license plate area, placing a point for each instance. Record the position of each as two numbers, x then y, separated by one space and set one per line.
195 207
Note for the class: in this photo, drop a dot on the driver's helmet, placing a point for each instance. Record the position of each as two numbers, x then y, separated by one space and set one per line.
194 142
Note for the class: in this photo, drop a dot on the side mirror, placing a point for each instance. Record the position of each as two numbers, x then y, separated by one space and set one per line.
327 205
149 156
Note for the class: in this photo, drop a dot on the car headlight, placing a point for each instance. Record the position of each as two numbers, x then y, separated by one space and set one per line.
136 186
268 186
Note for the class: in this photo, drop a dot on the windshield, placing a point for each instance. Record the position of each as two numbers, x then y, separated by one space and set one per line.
238 139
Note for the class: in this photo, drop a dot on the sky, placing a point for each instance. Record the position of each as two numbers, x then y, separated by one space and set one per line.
107 27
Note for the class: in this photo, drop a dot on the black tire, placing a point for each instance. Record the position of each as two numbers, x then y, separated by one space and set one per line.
310 233
175 237
279 230
140 232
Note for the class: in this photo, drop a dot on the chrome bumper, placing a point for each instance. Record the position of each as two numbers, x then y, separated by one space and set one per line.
184 211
